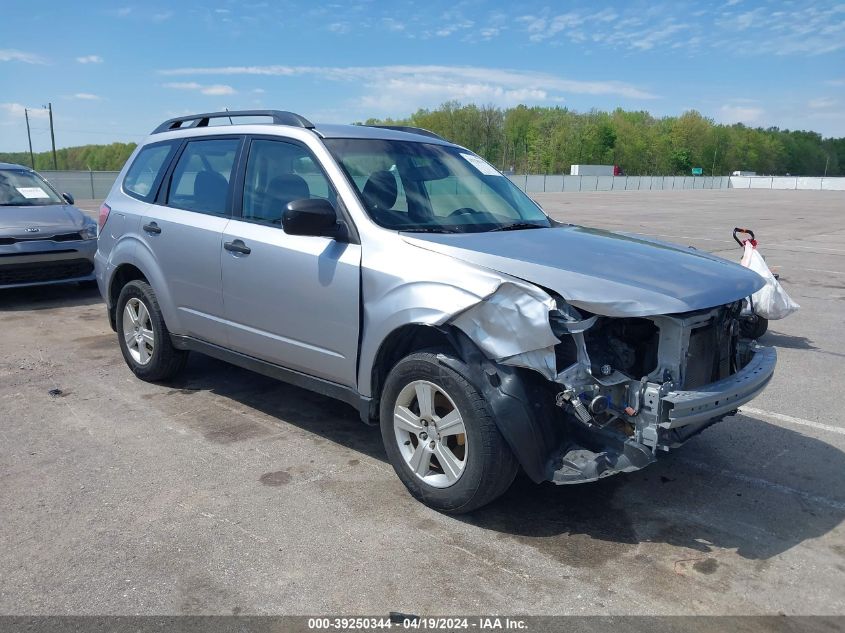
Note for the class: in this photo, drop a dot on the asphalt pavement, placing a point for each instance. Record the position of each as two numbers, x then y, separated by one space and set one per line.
226 492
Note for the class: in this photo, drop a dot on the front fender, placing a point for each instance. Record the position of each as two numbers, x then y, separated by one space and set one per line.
522 404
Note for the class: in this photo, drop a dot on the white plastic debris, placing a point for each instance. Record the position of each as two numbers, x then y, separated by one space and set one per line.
771 301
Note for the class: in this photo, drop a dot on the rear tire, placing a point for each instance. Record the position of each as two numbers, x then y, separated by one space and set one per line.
143 336
431 414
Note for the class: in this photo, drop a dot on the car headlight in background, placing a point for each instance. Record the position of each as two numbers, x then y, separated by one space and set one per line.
89 232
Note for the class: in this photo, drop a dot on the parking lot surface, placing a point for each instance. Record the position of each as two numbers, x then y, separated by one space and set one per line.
226 492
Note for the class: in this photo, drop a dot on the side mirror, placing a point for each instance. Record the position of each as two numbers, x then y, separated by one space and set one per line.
310 216
68 198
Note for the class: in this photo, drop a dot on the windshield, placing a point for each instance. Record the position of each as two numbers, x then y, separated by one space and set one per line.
411 186
20 188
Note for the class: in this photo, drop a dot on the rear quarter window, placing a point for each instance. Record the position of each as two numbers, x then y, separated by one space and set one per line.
145 173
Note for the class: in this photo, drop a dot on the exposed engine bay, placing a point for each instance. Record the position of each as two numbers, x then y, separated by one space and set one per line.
649 383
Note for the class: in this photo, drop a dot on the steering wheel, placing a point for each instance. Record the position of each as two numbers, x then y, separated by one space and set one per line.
463 211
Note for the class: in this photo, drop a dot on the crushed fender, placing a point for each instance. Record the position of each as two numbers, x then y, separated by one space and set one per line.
512 327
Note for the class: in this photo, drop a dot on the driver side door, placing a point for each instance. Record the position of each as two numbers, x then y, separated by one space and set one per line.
290 300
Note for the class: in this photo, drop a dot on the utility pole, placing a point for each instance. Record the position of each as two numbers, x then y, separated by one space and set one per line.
826 163
29 138
53 137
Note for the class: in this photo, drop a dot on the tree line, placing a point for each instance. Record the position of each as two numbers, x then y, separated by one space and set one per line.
543 140
94 157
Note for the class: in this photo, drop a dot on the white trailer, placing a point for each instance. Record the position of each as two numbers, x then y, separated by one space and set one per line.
593 170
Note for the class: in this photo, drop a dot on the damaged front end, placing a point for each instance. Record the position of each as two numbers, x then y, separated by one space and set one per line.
622 388
634 386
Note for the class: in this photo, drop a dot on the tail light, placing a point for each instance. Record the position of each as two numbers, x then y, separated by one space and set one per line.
104 214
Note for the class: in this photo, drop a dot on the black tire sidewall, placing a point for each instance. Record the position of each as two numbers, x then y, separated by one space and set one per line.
142 291
482 436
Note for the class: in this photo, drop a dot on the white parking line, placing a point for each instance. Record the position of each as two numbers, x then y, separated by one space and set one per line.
806 248
765 483
822 270
792 420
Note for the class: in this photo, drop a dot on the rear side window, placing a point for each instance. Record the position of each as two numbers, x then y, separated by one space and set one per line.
147 169
202 176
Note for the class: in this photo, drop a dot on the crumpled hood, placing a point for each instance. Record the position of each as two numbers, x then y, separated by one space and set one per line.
603 272
49 219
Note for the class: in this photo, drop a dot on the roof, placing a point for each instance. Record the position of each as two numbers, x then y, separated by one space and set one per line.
14 166
332 130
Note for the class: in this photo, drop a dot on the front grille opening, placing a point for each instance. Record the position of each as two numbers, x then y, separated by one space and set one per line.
36 272
626 345
61 237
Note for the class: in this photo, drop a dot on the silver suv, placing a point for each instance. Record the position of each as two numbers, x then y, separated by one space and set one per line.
400 273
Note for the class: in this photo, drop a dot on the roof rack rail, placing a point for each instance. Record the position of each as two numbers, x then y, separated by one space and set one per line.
410 129
279 117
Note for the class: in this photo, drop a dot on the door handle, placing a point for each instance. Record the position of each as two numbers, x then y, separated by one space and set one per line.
152 227
237 246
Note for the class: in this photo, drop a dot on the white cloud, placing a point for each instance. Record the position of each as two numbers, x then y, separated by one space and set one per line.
453 27
17 110
90 59
86 96
213 89
821 103
339 27
393 25
648 39
835 82
747 114
12 55
808 28
401 89
162 16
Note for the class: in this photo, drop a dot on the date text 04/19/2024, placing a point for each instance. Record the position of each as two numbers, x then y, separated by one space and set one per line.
414 623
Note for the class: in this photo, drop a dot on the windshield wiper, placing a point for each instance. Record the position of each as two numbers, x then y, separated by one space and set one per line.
516 226
427 229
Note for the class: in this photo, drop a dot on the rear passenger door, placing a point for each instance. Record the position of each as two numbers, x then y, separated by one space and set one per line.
184 227
292 300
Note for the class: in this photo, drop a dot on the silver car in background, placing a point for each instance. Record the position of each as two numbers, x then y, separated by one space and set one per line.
44 239
398 272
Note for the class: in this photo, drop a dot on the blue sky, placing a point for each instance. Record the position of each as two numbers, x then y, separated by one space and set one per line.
115 70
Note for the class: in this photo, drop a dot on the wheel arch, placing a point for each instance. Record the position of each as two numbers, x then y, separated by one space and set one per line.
522 400
402 341
122 275
140 263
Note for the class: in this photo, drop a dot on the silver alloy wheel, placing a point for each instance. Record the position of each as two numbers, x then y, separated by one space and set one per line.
138 331
430 433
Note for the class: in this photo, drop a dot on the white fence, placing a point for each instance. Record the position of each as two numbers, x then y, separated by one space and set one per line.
787 182
552 184
96 184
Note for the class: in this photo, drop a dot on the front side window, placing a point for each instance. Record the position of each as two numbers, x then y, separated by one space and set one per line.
429 187
278 172
145 171
201 178
24 188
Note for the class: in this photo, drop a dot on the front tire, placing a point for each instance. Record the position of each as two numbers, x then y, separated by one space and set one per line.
441 438
144 337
